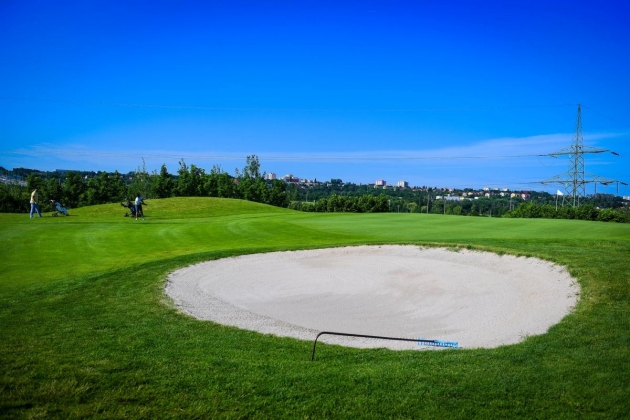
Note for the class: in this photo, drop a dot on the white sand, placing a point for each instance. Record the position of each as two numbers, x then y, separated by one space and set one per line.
478 299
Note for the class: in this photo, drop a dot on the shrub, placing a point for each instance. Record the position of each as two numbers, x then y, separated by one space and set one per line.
610 215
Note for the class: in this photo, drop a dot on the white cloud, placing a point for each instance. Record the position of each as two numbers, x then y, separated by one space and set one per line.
492 159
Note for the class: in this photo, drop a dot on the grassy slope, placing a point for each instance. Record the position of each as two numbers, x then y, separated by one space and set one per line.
87 332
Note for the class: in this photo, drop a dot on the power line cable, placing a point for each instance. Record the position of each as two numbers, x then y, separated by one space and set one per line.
211 108
605 116
268 158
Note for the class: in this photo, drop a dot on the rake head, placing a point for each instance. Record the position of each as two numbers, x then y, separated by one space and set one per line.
437 343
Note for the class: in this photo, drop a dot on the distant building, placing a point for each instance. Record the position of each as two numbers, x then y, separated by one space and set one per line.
381 183
12 181
403 184
290 179
271 175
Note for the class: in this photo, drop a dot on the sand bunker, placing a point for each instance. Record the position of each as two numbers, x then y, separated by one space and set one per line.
478 299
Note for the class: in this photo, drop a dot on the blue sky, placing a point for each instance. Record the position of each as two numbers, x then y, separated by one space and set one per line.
437 93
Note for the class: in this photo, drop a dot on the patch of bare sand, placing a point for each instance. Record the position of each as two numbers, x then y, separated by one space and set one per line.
478 299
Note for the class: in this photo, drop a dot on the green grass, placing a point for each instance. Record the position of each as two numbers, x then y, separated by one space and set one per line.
86 331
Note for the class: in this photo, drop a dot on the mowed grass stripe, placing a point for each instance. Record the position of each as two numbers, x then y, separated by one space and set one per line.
438 227
97 239
90 334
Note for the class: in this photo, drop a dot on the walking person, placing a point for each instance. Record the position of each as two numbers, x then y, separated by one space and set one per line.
34 203
138 203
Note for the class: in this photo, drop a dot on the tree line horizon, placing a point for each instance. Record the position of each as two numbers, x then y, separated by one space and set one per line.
72 190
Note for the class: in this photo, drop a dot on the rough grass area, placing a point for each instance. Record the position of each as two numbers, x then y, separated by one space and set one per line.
87 332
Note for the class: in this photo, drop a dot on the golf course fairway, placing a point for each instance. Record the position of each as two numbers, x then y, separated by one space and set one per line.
86 330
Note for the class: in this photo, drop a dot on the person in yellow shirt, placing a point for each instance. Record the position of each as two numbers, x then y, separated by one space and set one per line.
34 203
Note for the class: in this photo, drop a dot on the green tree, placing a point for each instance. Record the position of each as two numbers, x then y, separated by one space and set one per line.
13 198
190 182
53 190
227 186
141 183
252 168
33 181
321 206
103 188
73 187
610 215
586 212
334 203
164 184
251 183
276 194
212 181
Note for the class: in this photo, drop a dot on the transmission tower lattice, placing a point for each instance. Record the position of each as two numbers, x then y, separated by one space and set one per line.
575 179
576 160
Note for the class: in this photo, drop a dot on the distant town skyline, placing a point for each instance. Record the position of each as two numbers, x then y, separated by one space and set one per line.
524 193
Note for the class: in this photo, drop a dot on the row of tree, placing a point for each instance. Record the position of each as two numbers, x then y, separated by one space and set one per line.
583 212
76 191
423 203
382 203
403 199
348 204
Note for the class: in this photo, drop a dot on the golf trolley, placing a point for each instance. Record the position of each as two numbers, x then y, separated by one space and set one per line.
58 209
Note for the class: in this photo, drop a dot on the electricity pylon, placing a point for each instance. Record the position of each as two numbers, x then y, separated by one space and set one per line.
575 179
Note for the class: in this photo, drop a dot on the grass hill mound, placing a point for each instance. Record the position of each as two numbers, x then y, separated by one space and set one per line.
169 208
